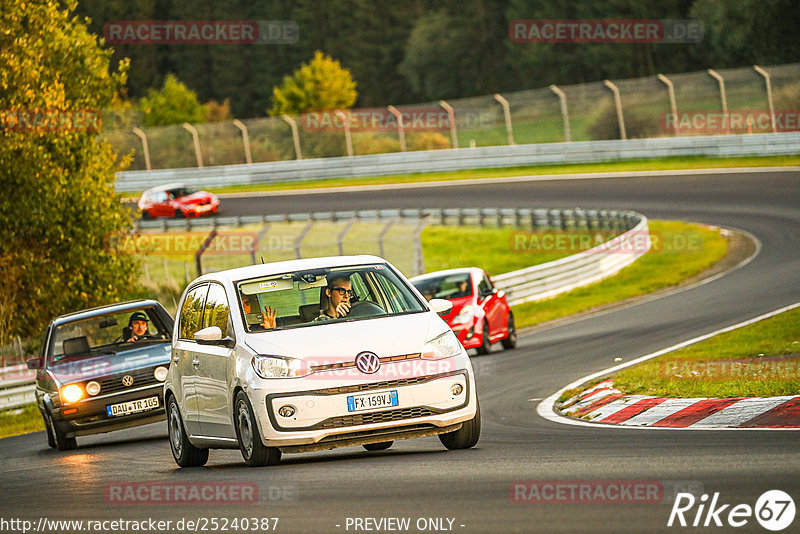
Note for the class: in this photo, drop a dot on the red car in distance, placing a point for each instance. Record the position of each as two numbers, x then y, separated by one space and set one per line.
480 315
177 200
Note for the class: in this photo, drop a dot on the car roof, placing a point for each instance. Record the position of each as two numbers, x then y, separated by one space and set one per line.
278 267
167 187
103 310
446 272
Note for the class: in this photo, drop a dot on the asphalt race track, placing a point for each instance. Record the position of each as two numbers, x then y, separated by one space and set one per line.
420 480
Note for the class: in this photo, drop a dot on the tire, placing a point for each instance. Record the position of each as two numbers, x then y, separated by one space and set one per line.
60 439
382 446
179 214
466 436
254 452
51 440
146 215
510 342
185 454
486 342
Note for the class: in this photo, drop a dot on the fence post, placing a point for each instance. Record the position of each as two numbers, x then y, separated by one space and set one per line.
196 139
765 74
295 135
714 74
299 239
452 117
245 140
618 104
382 234
202 248
507 115
564 113
401 133
348 140
340 238
145 148
419 260
672 103
259 237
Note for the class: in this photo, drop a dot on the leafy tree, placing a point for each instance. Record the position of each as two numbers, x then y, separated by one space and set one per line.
59 204
318 85
174 103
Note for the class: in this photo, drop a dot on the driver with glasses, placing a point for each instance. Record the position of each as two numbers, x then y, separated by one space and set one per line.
339 292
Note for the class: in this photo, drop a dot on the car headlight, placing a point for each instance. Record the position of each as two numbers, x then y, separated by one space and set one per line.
443 346
71 393
160 373
464 315
279 367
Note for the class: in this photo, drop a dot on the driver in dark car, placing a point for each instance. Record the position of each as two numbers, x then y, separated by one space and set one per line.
339 291
137 327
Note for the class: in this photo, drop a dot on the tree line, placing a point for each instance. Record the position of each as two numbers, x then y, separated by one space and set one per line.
420 50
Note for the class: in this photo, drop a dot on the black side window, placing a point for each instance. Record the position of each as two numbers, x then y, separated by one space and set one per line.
192 312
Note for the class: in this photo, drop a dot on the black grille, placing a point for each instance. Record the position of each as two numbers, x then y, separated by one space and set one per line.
374 417
367 387
141 378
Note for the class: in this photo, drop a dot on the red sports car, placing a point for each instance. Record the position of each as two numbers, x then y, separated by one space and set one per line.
177 200
480 315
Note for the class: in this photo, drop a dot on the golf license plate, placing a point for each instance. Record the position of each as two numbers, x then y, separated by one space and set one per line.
370 401
125 408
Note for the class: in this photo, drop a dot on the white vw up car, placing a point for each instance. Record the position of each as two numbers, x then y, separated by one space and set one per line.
314 354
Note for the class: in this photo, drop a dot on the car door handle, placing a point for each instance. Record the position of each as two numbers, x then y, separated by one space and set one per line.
195 362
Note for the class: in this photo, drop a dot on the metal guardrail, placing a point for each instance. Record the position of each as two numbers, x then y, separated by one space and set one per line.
533 283
465 158
549 279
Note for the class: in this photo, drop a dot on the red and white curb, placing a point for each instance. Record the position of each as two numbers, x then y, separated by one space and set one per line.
604 403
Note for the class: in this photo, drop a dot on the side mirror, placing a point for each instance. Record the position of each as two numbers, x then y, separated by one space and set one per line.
441 306
34 363
212 335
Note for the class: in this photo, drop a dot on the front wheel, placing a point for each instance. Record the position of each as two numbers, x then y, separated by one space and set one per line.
51 440
185 454
466 436
510 341
60 439
254 452
486 342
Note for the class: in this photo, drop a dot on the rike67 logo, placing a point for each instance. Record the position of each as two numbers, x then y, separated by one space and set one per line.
774 510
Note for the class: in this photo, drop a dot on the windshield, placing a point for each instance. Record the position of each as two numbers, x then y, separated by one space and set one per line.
103 334
179 192
317 296
451 286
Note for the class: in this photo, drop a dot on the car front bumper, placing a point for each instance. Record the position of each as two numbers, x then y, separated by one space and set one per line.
427 404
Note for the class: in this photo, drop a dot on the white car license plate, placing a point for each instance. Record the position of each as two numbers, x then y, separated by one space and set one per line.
370 401
125 408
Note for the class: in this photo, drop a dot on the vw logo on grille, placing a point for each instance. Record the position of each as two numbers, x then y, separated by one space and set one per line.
127 381
368 363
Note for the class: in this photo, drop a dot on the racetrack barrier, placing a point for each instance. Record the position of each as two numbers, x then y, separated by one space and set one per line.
771 144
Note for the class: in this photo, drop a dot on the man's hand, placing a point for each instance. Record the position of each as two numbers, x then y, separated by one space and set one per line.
133 338
270 315
342 309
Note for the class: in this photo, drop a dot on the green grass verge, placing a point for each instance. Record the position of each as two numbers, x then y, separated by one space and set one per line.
686 250
759 360
20 421
619 166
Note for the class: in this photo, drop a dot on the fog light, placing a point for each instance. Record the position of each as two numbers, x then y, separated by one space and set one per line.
456 389
72 393
286 411
92 388
160 373
470 333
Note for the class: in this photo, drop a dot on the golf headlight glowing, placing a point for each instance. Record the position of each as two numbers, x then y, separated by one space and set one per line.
72 393
464 315
444 346
279 367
